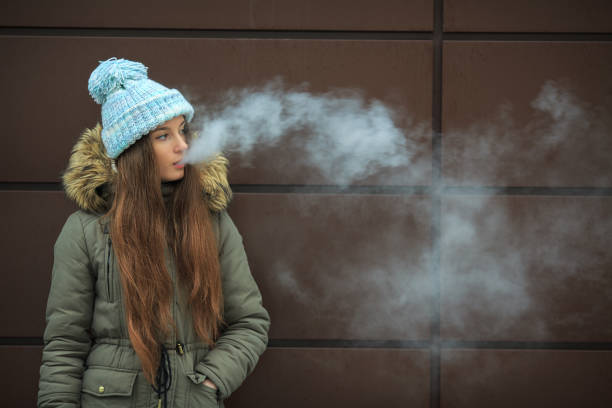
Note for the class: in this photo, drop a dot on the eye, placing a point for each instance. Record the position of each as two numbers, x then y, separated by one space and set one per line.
161 137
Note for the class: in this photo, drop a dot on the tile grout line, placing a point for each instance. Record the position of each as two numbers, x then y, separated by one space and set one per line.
436 206
444 190
181 33
296 34
424 344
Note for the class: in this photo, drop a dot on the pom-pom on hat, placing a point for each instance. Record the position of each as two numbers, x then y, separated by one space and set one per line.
132 104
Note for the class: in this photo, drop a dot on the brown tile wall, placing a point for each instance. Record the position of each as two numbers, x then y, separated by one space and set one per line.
525 378
21 364
314 259
355 15
528 16
32 221
311 377
534 268
497 137
480 280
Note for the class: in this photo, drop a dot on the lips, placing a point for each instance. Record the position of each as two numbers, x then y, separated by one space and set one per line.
178 165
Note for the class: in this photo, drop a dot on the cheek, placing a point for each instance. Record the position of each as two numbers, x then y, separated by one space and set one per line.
160 154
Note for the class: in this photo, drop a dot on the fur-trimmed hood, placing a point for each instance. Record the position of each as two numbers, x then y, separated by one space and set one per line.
89 178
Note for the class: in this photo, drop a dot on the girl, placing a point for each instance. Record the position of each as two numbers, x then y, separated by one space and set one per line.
151 302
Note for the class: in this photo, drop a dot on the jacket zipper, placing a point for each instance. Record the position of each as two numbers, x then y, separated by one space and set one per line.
108 269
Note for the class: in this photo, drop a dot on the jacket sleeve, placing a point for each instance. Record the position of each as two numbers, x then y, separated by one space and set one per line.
246 335
68 316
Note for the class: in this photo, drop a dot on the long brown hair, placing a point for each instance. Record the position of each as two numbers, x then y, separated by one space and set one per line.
142 227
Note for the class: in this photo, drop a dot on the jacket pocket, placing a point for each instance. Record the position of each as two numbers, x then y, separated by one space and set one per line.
201 396
105 386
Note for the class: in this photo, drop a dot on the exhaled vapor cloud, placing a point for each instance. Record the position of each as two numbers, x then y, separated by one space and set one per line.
349 137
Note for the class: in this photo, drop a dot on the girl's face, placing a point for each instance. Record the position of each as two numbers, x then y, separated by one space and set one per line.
169 145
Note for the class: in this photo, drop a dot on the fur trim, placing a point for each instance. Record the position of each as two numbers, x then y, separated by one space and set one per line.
89 178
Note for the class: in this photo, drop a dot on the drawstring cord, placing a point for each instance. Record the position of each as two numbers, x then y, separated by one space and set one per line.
163 378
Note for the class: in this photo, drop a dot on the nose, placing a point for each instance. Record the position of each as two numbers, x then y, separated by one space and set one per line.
180 145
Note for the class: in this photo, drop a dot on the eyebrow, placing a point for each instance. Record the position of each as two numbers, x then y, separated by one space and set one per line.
166 128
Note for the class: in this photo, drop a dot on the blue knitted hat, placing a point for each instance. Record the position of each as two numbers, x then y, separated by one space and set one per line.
132 104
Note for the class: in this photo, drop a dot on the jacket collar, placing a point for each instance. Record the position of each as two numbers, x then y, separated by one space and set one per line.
89 178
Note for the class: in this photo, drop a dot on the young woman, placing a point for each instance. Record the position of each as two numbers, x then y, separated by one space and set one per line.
152 303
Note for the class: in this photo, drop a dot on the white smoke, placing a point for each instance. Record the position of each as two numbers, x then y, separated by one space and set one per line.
372 270
347 137
490 267
561 129
481 281
508 261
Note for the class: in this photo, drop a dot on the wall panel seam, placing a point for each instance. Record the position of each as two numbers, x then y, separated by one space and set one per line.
217 34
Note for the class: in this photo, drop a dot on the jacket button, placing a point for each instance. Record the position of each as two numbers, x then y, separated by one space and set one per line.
101 389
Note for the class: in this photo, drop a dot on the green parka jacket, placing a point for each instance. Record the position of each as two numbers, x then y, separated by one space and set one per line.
87 359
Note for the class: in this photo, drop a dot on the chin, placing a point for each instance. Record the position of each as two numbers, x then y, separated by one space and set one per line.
175 177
